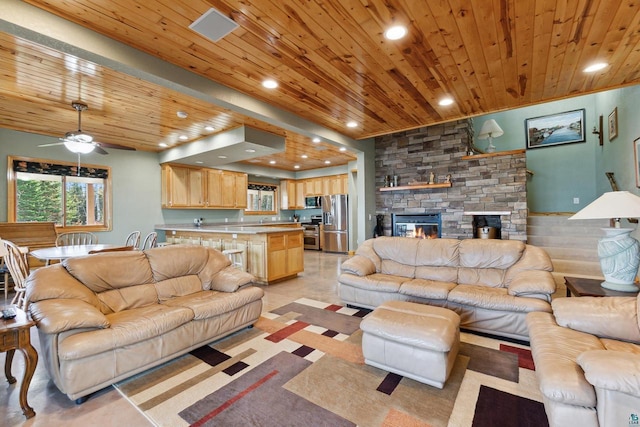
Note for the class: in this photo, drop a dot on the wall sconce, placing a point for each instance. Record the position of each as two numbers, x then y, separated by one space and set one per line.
599 131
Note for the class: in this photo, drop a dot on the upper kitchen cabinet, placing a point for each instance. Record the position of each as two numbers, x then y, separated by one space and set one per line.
193 187
313 187
292 193
182 187
335 184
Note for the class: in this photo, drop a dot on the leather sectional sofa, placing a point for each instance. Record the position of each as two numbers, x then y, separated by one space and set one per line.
587 358
104 317
491 284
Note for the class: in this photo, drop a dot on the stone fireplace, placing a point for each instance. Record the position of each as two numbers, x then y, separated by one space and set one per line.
424 161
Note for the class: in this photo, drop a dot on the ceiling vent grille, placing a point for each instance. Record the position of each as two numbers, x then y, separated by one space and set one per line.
213 25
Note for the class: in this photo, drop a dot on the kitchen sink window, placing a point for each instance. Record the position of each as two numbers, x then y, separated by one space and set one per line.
261 198
60 192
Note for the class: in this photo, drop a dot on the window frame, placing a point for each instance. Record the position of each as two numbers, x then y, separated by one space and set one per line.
12 189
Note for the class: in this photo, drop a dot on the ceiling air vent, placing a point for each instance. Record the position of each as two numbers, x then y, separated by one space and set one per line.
213 25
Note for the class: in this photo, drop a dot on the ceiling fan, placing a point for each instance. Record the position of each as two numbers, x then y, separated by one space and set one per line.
81 142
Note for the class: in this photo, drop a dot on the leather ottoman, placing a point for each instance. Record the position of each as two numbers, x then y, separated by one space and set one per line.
417 341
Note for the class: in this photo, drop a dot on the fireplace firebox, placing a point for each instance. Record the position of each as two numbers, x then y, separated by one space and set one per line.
421 226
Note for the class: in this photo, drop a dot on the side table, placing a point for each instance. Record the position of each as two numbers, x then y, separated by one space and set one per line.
582 287
15 335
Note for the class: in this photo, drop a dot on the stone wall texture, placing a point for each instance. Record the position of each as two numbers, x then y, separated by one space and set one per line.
483 184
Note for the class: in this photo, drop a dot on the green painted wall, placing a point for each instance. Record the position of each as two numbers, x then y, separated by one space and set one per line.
565 172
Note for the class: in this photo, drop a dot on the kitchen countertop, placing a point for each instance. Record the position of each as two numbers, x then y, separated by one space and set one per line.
232 228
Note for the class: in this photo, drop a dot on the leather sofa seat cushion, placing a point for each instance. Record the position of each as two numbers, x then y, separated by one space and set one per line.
429 289
378 282
172 261
556 350
490 277
617 345
206 304
177 287
126 328
495 299
127 298
98 273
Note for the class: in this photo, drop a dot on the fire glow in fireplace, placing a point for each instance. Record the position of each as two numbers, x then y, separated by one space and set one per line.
421 226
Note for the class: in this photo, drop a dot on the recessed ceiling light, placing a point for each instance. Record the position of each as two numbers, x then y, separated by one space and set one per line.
296 167
352 124
343 149
595 67
272 162
209 128
163 144
199 162
250 150
445 101
183 137
304 156
316 140
270 84
396 32
327 162
222 157
182 114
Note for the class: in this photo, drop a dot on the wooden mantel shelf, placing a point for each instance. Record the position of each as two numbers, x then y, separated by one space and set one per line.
496 154
416 187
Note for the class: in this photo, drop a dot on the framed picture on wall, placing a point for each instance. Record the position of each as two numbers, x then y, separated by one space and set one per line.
613 124
555 129
636 156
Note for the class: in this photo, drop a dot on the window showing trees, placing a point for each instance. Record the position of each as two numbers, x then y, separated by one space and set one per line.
60 192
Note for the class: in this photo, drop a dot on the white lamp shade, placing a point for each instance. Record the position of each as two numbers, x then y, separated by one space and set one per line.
490 128
614 204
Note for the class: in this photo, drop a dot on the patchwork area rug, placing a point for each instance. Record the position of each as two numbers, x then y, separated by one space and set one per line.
302 365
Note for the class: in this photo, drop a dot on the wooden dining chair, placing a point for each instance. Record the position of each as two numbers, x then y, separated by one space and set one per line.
150 241
133 239
76 238
18 266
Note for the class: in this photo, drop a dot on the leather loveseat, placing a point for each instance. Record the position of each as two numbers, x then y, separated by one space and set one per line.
107 316
587 358
492 284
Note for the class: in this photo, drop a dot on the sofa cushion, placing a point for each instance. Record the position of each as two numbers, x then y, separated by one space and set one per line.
376 282
126 328
490 253
495 299
177 287
612 370
127 298
488 277
555 351
172 261
437 252
57 315
97 271
55 282
216 262
206 304
429 289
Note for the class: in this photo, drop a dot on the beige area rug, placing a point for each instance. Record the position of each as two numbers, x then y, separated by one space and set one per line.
302 365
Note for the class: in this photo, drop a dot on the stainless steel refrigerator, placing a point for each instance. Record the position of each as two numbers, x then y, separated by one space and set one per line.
335 219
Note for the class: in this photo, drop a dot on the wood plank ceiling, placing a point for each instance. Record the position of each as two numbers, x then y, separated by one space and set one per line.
331 61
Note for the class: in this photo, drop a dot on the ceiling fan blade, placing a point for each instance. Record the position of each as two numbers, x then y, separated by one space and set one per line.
99 150
51 144
116 146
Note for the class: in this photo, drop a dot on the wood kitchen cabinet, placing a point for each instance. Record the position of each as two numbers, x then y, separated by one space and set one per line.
192 187
292 194
313 187
335 184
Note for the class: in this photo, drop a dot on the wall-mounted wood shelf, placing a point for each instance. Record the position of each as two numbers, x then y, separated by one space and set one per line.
496 154
416 187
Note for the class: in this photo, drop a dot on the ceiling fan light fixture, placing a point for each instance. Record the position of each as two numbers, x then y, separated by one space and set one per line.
79 147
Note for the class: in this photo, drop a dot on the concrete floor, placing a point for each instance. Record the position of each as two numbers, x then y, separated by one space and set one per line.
107 407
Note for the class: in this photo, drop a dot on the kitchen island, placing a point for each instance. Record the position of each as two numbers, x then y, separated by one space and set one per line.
272 251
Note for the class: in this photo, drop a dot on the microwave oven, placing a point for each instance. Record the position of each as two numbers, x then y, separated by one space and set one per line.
313 202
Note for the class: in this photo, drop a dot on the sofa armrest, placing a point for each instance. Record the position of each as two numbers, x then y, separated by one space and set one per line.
230 279
532 282
358 265
612 370
610 317
57 315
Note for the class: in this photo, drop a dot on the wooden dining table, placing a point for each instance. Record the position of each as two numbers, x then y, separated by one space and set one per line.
63 252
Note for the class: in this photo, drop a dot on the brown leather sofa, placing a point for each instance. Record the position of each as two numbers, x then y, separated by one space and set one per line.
104 317
492 284
587 358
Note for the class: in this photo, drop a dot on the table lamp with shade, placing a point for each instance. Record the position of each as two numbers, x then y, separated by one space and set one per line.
619 253
490 129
